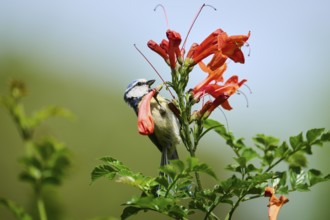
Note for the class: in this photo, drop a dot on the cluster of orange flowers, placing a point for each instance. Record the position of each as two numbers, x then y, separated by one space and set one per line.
222 47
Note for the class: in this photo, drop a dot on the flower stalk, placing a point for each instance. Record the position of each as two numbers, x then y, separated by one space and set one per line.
219 45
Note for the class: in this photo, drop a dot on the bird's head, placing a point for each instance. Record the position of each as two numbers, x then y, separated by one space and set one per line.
136 90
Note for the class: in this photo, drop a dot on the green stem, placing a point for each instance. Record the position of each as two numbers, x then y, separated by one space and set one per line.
231 212
185 114
41 208
170 187
209 213
282 158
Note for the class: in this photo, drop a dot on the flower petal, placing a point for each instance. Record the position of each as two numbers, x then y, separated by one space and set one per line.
158 49
174 52
275 204
146 124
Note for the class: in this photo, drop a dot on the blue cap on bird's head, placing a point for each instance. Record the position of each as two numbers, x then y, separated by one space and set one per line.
136 90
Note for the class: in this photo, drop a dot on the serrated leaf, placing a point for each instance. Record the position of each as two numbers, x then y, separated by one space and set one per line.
313 134
298 179
315 176
325 136
103 171
219 128
204 168
251 168
127 180
282 178
110 160
178 165
282 150
297 160
249 154
129 211
234 167
241 161
268 142
169 170
163 181
228 184
17 210
283 190
296 141
192 162
260 178
302 187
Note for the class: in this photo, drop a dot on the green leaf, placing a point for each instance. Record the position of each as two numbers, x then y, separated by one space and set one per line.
282 150
260 178
282 178
129 211
211 124
298 179
227 185
296 141
283 190
169 170
265 142
249 154
325 136
313 134
315 176
178 165
163 181
251 168
103 171
297 160
234 167
194 165
192 162
163 205
204 168
241 161
17 210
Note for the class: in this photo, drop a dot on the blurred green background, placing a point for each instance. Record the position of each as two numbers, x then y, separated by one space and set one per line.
80 55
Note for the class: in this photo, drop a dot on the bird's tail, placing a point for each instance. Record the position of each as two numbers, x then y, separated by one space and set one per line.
166 157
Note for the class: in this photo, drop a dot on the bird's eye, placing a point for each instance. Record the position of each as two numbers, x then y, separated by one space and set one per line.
139 83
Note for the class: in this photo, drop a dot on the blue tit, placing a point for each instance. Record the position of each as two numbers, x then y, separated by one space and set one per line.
167 127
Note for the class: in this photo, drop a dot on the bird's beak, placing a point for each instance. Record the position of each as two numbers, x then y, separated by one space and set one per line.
150 82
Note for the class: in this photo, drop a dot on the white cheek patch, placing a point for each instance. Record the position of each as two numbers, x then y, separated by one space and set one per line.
138 91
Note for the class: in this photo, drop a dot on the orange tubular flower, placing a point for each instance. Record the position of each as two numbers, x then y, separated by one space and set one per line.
169 50
222 46
275 204
220 93
216 91
215 75
173 51
206 48
158 49
146 124
232 47
209 106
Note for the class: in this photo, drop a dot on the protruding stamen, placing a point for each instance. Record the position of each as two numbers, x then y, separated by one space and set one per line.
247 101
166 18
152 66
224 115
248 45
248 88
198 13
